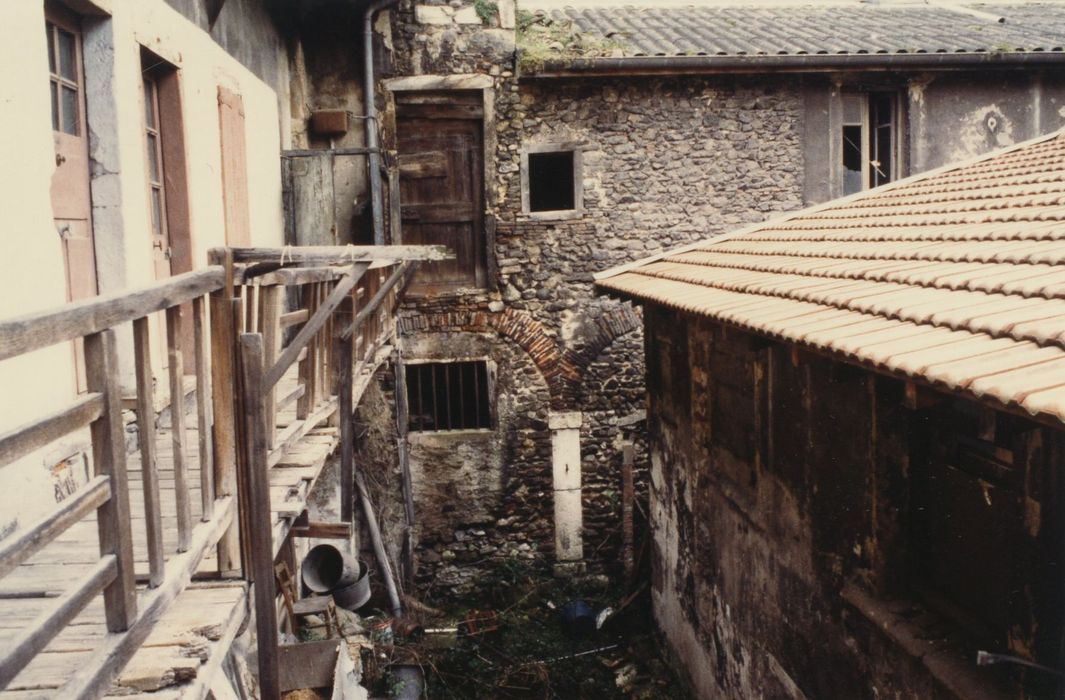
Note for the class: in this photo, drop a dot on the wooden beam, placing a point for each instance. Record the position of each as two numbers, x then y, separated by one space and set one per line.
293 318
313 324
402 450
38 433
340 255
326 531
109 458
35 636
399 273
43 328
28 541
259 518
291 276
95 676
153 515
291 396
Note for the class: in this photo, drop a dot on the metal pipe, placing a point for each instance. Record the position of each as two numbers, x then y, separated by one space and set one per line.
379 548
371 119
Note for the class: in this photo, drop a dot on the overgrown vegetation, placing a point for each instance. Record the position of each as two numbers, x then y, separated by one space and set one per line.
542 38
487 10
534 655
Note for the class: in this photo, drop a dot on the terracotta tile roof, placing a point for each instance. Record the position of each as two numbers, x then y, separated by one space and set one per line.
956 276
747 29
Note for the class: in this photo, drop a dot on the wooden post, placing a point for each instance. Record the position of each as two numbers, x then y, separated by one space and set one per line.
223 372
402 425
347 430
177 426
109 457
146 439
627 496
261 536
204 421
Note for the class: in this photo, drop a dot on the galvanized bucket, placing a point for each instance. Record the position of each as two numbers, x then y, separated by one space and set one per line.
326 568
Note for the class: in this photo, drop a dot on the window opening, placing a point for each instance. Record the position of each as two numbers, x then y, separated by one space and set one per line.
552 181
154 146
869 140
64 79
448 396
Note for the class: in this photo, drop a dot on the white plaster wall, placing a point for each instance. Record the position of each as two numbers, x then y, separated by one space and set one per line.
31 261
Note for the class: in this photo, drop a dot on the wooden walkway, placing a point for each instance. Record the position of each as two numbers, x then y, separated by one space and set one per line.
185 650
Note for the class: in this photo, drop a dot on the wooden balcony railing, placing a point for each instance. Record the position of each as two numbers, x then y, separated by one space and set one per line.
342 313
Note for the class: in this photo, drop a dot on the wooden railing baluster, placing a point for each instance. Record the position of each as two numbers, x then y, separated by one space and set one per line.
178 435
204 421
109 457
142 361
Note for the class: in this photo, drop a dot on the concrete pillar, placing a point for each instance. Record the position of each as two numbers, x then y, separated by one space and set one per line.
566 470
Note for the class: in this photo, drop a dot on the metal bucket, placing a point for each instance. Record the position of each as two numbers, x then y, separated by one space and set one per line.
354 595
326 568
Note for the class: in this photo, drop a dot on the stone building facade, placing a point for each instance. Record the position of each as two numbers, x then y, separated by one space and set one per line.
660 158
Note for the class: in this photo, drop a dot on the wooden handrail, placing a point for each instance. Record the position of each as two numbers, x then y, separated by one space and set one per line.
333 255
38 433
43 328
19 547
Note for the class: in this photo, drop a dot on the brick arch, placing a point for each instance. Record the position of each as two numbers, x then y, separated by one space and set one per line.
562 368
607 328
555 364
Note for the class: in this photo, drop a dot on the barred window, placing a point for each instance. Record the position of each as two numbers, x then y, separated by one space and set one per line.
448 396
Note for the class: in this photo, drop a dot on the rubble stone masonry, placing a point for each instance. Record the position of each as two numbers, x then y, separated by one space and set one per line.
664 162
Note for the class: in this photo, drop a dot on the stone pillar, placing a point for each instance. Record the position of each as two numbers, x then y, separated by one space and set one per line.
566 470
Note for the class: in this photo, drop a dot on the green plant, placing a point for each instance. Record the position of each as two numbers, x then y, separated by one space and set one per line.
487 10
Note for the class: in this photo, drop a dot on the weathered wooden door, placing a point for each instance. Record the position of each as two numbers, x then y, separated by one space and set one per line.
234 167
71 200
441 165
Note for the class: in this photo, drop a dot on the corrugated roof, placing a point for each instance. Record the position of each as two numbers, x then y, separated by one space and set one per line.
859 29
956 277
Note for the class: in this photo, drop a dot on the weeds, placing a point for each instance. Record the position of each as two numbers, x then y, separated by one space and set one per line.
542 38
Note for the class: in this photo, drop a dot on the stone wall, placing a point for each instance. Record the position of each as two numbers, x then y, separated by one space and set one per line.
665 162
790 554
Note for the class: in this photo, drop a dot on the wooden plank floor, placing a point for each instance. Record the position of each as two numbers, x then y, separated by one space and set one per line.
194 631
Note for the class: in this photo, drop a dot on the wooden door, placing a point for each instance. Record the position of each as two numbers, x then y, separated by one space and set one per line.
70 193
441 165
234 167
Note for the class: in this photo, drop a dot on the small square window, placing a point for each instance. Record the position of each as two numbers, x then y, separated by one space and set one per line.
552 181
448 396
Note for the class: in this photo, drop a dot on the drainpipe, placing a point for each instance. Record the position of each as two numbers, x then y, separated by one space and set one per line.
371 119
